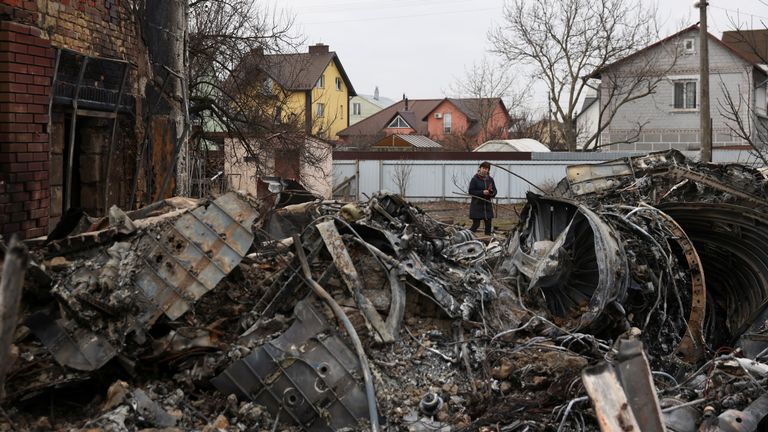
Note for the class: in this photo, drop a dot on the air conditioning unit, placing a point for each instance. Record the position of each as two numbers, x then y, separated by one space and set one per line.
438 115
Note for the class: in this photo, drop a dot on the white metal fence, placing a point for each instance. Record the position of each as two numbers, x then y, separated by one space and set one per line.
448 180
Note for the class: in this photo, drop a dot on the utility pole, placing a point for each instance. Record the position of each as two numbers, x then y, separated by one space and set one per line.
705 125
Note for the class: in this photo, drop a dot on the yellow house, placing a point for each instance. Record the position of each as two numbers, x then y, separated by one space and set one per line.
314 89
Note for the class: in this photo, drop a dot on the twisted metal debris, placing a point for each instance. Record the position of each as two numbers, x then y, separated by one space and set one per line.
632 297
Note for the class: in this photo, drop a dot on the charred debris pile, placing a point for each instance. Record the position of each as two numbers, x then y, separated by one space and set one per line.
633 297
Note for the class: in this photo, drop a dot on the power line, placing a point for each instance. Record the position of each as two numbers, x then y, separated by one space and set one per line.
372 5
736 11
400 16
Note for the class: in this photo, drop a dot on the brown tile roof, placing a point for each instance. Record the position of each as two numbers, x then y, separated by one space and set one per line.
295 72
375 123
753 44
408 116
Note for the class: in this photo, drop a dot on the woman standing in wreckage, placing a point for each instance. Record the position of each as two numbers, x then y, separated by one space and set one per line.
483 189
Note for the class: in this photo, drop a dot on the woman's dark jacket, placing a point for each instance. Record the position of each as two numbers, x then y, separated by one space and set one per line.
481 207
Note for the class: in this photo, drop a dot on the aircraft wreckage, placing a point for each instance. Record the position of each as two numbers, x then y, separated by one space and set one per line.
632 297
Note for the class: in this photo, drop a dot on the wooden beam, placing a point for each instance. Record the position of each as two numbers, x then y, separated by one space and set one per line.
11 283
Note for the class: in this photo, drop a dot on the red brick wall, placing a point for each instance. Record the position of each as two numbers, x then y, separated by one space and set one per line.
28 31
26 68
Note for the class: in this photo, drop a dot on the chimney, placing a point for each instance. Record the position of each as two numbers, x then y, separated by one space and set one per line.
405 99
257 52
376 93
318 48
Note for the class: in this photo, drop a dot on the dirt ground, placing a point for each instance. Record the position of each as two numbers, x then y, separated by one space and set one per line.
507 215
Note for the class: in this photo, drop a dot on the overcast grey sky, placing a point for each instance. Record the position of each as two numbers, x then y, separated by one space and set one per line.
419 47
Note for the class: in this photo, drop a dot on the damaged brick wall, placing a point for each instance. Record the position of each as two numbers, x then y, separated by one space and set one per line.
100 27
25 86
30 32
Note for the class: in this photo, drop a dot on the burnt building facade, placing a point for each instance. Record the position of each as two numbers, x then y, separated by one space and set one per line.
77 128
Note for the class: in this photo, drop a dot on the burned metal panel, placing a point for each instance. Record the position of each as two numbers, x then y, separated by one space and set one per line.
307 373
595 178
73 347
623 394
165 269
731 241
611 405
191 257
635 376
591 178
692 345
385 331
747 420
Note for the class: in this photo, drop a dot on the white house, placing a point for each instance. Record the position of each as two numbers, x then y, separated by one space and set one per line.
363 106
669 116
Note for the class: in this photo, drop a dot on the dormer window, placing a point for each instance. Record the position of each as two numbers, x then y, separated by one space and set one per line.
398 123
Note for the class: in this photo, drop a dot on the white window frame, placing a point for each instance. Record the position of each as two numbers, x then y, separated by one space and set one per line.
356 108
447 123
685 101
395 123
321 81
338 83
689 49
320 110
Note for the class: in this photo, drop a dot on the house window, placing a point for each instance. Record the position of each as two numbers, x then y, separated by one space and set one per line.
356 108
398 122
321 82
447 123
320 110
268 86
689 46
685 94
338 83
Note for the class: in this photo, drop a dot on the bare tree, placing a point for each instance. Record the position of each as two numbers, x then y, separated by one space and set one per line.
744 120
744 107
568 41
484 83
401 177
230 47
